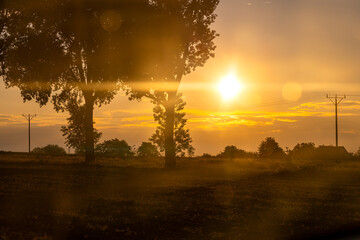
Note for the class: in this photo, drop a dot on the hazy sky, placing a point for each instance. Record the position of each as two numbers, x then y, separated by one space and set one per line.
310 46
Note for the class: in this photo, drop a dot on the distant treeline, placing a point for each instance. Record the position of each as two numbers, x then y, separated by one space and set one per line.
110 148
268 149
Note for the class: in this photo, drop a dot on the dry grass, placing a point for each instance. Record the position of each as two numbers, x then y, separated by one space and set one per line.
60 198
245 164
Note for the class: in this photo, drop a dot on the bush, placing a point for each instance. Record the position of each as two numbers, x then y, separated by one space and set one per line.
147 150
114 148
303 151
233 152
206 155
50 150
269 148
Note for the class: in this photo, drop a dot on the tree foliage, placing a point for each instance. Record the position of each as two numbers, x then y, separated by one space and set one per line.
182 135
147 150
233 152
304 146
67 50
207 155
74 131
187 44
304 151
115 148
269 148
49 149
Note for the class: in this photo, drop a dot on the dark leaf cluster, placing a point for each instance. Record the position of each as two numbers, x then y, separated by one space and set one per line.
182 136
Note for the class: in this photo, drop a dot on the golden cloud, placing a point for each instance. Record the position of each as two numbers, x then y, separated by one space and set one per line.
200 119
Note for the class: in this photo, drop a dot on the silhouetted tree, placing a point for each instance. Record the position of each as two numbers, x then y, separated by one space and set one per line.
309 145
303 151
6 16
206 155
74 131
233 152
269 148
187 44
182 138
50 150
147 150
78 50
115 148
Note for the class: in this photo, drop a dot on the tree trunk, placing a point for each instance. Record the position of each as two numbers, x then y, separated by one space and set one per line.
89 129
170 160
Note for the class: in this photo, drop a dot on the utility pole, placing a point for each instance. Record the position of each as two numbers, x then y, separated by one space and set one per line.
336 99
29 118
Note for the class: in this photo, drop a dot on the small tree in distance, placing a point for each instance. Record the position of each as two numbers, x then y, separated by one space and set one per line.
232 152
148 150
115 148
303 151
269 148
206 155
50 149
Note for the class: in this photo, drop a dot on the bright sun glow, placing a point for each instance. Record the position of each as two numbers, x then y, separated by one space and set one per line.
229 87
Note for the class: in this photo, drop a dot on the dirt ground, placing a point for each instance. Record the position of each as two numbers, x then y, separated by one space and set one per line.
74 201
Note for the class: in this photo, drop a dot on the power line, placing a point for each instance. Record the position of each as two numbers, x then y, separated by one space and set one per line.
29 117
336 99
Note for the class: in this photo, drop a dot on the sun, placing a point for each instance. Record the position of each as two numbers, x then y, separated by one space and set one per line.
229 87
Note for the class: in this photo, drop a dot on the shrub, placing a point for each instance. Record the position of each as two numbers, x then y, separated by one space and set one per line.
206 155
233 152
114 148
147 150
50 149
269 148
303 151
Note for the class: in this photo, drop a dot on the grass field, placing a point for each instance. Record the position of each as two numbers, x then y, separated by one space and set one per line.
55 198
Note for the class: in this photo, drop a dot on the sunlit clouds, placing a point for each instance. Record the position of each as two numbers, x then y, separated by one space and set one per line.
199 118
236 125
40 121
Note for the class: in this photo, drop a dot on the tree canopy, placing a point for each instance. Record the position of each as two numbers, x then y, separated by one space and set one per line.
232 152
182 136
189 43
83 51
80 51
269 148
49 149
115 148
74 130
147 150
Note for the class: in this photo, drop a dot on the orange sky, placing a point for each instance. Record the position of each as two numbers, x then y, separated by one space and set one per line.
269 44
